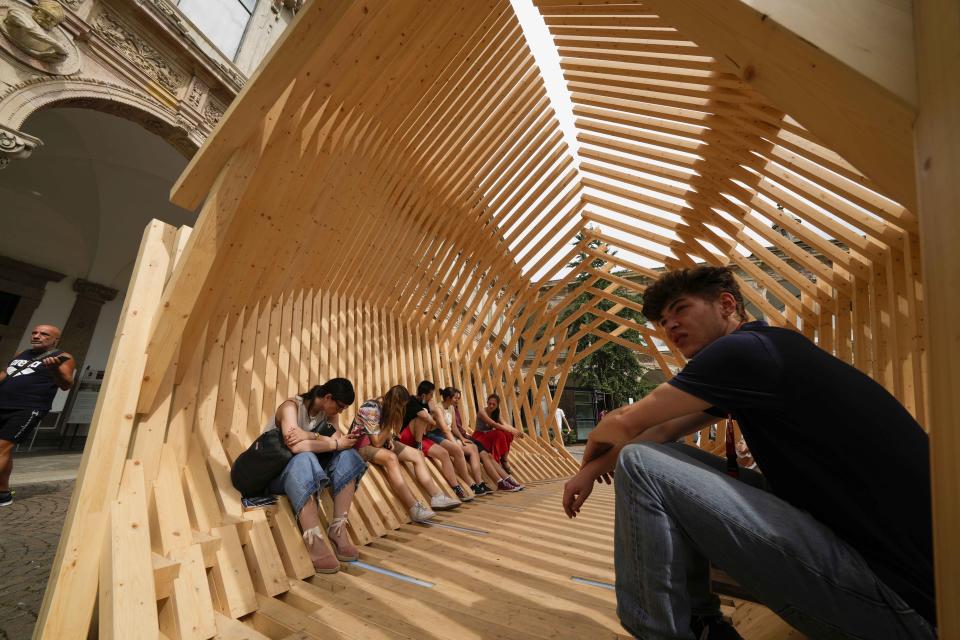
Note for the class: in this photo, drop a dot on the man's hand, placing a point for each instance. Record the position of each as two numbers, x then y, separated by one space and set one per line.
52 361
294 436
605 477
594 450
575 492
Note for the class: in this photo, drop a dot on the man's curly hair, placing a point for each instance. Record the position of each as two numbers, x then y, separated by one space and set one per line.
704 282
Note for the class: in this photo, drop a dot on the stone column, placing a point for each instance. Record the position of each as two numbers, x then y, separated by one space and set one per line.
78 330
28 283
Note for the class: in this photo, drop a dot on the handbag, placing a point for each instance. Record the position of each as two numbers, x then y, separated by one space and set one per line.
264 460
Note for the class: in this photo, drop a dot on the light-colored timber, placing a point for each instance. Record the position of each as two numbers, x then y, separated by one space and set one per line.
385 200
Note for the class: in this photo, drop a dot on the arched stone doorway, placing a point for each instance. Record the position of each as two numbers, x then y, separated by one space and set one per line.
73 214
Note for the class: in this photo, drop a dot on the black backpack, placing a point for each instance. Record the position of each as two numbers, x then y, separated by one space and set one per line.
256 468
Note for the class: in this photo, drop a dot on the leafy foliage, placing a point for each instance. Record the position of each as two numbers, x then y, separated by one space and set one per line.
612 367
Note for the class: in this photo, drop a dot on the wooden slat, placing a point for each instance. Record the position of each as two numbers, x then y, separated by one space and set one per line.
76 565
937 24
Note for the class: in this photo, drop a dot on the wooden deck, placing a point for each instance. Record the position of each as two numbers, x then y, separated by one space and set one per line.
506 572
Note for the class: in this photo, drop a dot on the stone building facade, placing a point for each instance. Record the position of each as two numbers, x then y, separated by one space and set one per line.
102 103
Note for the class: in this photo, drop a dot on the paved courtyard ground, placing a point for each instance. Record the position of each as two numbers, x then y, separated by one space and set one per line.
29 532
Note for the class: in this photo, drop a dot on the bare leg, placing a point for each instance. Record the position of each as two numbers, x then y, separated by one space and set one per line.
342 501
506 464
459 461
420 470
339 536
324 561
6 463
309 514
490 465
391 466
473 455
446 465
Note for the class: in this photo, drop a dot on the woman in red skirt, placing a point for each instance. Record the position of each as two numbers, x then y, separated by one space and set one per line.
494 435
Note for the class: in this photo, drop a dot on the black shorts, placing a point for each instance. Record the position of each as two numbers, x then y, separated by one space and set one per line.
16 424
480 447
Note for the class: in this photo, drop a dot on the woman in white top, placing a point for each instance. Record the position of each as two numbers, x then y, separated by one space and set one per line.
451 403
449 434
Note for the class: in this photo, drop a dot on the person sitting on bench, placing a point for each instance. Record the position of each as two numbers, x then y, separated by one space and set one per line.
417 421
322 456
841 547
376 422
446 416
495 435
478 455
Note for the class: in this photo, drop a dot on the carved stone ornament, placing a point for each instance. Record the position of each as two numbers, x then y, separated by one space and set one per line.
32 35
213 111
93 291
292 5
196 93
15 145
143 55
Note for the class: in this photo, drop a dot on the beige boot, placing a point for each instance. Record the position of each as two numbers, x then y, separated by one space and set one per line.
323 560
340 539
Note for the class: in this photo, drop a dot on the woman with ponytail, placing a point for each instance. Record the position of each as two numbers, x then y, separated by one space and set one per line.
322 456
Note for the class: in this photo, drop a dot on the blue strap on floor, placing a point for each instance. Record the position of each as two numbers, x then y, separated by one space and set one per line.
476 532
592 583
392 574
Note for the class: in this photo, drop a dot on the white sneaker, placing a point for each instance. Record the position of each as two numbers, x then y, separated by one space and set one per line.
420 513
440 502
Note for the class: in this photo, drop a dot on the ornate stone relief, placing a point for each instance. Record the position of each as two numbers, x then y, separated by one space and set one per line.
143 55
15 145
195 93
172 16
73 4
237 79
32 35
93 291
213 111
292 5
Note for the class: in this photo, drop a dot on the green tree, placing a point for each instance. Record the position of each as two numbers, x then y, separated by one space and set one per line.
612 368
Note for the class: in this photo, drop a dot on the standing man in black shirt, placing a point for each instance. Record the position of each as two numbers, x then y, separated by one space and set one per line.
27 388
841 545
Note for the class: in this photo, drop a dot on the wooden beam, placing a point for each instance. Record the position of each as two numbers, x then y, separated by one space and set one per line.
72 589
864 122
873 37
938 166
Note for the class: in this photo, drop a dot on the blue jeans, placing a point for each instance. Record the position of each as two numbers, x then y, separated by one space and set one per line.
436 435
308 473
677 511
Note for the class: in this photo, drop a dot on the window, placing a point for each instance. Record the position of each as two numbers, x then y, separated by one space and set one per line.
222 21
8 305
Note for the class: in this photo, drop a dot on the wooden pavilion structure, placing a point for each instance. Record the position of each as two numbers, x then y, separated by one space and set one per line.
384 197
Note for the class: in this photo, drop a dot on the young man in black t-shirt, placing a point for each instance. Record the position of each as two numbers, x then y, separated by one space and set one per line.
27 387
841 545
